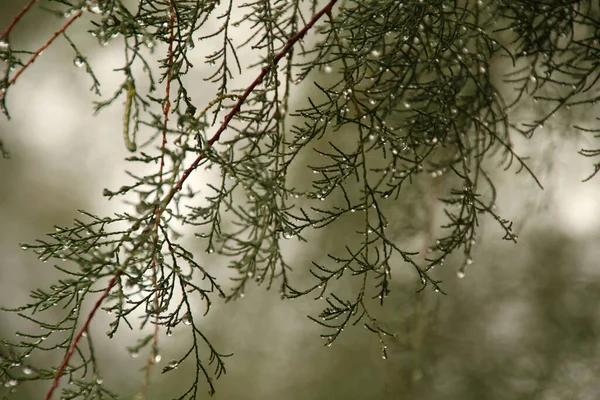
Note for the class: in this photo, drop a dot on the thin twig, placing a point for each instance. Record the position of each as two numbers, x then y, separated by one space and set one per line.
44 47
83 329
16 19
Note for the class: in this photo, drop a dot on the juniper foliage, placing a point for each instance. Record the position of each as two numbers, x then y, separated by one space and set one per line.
409 92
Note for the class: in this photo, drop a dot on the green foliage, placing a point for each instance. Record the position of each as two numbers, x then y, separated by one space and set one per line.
408 94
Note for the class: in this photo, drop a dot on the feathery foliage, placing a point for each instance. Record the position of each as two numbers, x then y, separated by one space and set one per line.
409 93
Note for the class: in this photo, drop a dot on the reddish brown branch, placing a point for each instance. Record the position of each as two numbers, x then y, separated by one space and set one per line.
83 329
44 47
16 19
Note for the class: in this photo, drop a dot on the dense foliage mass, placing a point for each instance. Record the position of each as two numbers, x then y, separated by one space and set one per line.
410 93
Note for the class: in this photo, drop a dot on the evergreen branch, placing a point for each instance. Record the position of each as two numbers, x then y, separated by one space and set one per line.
410 111
163 205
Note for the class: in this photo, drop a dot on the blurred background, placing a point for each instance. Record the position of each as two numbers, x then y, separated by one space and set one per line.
524 322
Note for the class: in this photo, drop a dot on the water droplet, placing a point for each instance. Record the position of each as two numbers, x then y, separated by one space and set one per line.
210 249
375 54
135 354
187 319
532 78
157 358
288 234
173 364
460 273
190 43
469 261
103 39
328 69
99 381
24 247
4 45
11 383
384 353
27 371
94 8
406 104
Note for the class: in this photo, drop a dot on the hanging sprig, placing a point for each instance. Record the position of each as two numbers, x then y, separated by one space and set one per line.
129 140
